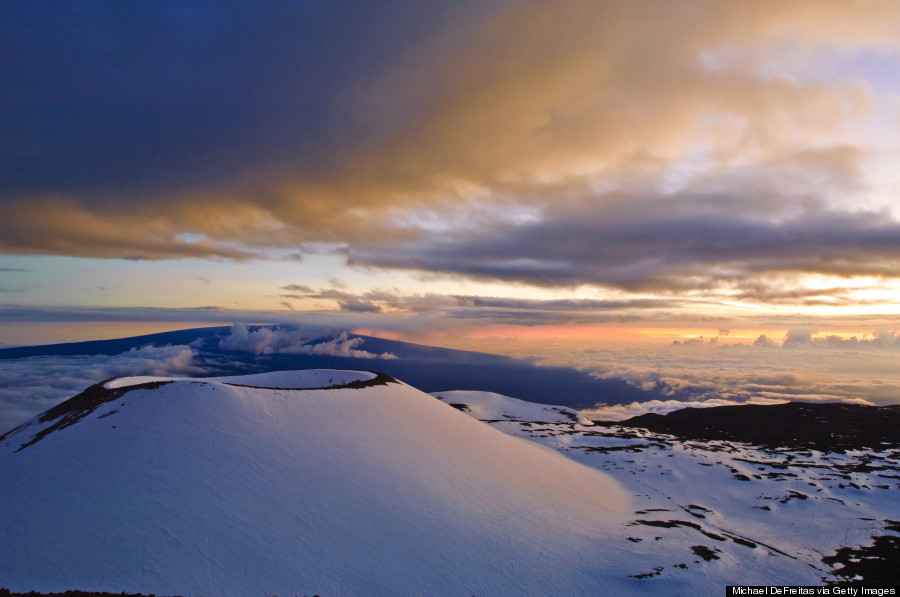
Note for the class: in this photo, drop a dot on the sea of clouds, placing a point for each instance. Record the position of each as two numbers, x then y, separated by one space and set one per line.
31 385
713 373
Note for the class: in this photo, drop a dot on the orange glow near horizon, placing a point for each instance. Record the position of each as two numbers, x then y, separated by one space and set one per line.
526 340
495 338
621 333
34 333
651 333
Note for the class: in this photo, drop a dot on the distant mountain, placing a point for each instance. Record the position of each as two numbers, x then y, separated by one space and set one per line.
428 368
293 483
117 345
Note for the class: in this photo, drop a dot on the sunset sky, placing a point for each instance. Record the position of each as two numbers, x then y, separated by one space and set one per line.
485 174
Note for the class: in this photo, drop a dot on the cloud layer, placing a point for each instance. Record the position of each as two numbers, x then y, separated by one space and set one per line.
663 146
621 412
719 374
32 385
687 242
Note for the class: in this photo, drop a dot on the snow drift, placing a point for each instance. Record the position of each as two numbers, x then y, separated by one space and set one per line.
329 482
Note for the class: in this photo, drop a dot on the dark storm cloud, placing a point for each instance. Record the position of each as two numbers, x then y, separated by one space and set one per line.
101 97
127 126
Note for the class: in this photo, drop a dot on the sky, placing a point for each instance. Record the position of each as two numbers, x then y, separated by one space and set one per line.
518 176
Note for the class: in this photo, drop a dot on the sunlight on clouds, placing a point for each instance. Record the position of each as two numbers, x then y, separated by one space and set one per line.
594 92
661 168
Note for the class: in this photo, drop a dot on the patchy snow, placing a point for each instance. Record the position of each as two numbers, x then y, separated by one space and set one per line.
488 406
761 516
212 488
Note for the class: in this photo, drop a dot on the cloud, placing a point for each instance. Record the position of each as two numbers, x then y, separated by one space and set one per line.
690 242
774 292
299 288
358 306
574 142
799 336
621 412
819 371
268 340
13 318
879 339
31 385
509 310
764 340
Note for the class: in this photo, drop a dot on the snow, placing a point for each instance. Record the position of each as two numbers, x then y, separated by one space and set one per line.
201 487
309 378
768 515
488 406
238 486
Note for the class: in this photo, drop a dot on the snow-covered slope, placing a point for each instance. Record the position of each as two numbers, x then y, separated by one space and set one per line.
349 483
295 380
488 406
711 513
243 487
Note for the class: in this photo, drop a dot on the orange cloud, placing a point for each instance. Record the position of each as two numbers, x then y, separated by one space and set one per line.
536 105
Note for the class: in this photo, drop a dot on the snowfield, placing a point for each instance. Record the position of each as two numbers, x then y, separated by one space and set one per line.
347 483
204 487
715 513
